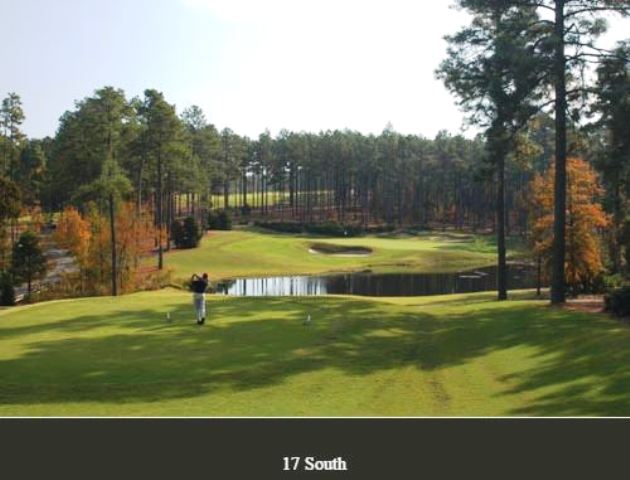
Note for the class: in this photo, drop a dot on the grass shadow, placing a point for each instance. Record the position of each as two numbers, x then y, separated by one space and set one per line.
249 343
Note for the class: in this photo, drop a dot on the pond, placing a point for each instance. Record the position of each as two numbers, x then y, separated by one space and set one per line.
381 285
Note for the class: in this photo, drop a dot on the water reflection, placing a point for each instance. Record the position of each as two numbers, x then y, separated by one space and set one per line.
381 285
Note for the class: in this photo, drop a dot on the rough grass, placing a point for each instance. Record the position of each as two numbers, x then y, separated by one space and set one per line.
255 253
455 355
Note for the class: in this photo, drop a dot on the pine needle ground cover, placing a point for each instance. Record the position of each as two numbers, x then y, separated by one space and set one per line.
454 355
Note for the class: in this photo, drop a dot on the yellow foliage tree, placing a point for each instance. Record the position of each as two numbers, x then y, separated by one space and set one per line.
585 218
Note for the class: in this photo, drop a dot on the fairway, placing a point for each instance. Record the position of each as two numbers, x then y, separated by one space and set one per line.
456 355
262 253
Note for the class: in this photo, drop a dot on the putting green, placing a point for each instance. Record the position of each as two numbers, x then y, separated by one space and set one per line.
252 253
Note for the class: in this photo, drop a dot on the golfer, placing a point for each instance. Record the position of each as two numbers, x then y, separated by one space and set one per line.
199 286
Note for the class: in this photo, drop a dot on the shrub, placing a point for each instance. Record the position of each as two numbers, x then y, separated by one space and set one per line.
604 283
618 302
211 220
193 232
224 220
283 227
7 291
389 228
246 210
332 229
186 234
612 281
220 220
177 232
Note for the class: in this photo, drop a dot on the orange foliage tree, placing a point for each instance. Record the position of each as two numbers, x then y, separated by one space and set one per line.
88 238
73 233
134 239
585 219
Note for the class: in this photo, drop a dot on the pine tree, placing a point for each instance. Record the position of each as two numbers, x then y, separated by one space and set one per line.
493 68
27 261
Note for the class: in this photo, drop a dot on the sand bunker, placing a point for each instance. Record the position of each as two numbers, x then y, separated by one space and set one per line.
339 250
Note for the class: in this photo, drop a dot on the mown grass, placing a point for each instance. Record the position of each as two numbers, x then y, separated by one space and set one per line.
254 200
262 253
453 355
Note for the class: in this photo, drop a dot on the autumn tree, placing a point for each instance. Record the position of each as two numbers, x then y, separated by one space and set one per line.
585 218
73 233
135 234
88 237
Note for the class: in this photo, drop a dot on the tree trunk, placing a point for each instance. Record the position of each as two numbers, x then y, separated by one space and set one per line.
139 184
159 212
226 194
502 263
244 188
558 294
617 232
170 209
539 276
112 226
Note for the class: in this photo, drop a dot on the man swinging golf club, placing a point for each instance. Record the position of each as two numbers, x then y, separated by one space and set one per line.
199 286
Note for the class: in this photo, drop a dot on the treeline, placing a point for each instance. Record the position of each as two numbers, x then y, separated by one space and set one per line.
174 166
181 165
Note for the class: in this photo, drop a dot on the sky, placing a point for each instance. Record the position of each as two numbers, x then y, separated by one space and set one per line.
250 65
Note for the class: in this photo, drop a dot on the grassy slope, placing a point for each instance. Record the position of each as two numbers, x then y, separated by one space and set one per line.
457 355
250 253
